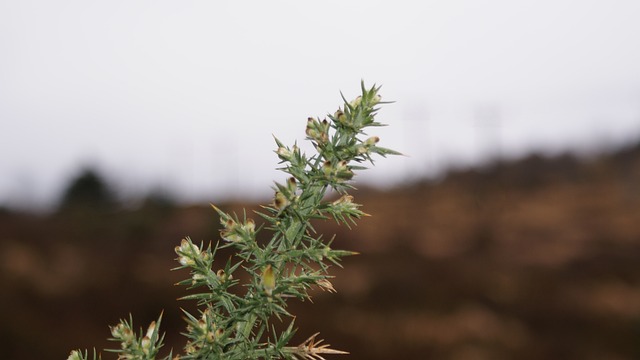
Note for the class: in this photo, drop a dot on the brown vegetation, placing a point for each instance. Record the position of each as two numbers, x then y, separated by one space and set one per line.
534 259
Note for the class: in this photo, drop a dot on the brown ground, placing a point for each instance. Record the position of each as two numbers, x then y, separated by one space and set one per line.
535 259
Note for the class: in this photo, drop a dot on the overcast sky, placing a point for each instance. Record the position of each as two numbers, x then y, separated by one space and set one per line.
187 94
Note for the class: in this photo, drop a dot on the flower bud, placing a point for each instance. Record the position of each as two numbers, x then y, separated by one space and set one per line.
364 148
230 236
268 280
186 261
187 252
343 172
189 248
345 175
195 278
284 153
124 334
324 132
146 344
234 232
318 131
280 201
75 355
371 141
311 128
355 102
326 251
222 276
327 168
375 100
116 331
151 330
344 199
249 226
341 117
345 204
292 185
324 126
210 337
190 348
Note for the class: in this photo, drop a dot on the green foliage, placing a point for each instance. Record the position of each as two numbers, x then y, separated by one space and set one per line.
235 319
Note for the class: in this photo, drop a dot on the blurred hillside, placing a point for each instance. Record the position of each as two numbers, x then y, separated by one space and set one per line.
531 259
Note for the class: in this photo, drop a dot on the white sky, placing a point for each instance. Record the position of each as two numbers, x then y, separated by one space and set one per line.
186 94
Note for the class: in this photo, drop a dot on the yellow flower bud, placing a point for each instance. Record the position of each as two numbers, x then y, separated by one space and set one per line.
222 276
249 226
210 337
190 348
365 147
311 128
371 141
340 116
343 172
146 344
195 278
344 199
268 280
327 168
324 125
292 185
318 131
151 329
187 249
230 236
280 201
284 153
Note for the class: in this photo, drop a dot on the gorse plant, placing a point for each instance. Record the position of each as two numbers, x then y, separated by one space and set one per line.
236 320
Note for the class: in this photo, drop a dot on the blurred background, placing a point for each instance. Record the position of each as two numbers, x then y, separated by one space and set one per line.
510 229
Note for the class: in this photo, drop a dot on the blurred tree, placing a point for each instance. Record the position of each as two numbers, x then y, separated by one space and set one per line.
159 199
87 191
4 210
